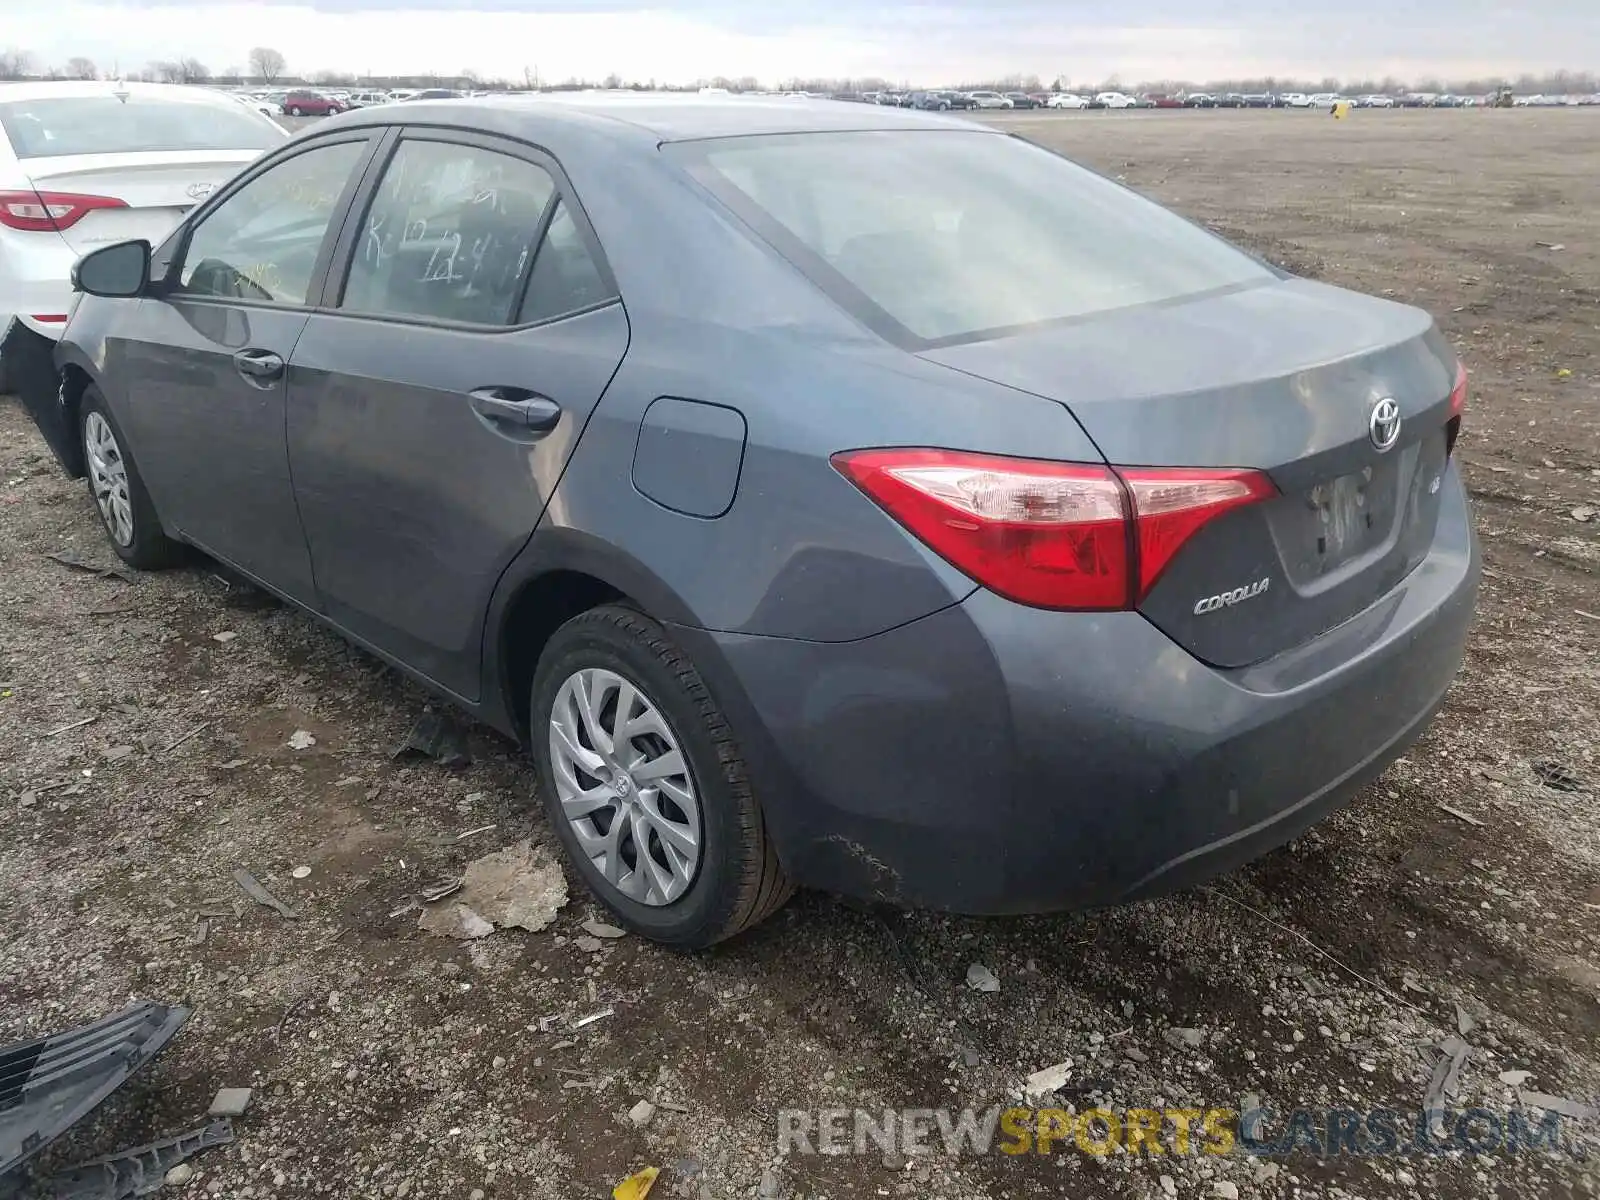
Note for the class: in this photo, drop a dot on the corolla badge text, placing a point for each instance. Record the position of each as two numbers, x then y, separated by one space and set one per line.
1227 599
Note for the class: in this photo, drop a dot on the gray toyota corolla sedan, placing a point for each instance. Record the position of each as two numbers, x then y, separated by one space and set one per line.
825 494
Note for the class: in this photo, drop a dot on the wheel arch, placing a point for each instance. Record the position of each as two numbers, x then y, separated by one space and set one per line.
560 574
75 381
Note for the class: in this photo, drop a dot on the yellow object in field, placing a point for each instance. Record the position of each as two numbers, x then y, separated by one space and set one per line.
636 1187
1341 110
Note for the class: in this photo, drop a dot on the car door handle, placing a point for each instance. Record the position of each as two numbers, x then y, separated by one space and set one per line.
258 364
516 408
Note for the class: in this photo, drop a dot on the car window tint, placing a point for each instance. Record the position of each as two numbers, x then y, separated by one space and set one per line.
261 243
952 234
565 277
449 234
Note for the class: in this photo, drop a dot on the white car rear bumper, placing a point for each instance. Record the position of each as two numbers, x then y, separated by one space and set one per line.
35 279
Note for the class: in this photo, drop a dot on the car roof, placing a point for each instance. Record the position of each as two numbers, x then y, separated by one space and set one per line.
175 93
658 117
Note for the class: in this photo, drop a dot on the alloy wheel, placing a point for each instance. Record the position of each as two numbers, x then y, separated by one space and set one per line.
625 787
108 474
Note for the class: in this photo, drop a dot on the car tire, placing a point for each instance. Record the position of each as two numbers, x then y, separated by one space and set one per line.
295 112
735 880
118 491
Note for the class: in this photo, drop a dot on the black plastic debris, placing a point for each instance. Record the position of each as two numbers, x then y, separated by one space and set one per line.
1557 775
136 1172
438 736
49 1084
67 559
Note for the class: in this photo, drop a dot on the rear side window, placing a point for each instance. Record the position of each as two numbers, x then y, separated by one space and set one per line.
63 125
935 236
449 235
565 277
263 241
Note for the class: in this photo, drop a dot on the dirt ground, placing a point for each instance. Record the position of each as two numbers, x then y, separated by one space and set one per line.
390 1063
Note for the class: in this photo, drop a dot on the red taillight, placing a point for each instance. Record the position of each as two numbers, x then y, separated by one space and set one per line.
1458 409
1048 534
46 212
1173 503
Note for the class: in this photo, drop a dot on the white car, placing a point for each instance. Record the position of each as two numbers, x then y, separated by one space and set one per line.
1296 100
267 108
1377 102
86 164
1324 100
1066 100
1117 100
989 100
368 99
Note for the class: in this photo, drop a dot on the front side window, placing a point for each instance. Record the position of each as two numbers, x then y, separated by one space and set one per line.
449 235
262 242
952 235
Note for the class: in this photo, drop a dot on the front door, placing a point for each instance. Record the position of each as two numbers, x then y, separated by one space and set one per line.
207 363
432 411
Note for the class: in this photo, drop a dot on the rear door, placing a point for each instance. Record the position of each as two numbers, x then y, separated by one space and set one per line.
436 397
202 367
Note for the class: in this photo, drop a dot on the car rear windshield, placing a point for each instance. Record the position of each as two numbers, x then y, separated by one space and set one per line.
943 236
63 125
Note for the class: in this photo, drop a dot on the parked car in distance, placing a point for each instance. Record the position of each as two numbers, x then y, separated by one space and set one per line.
1376 101
1022 557
1159 100
84 164
889 99
368 99
445 94
1261 100
1116 100
1295 100
1022 100
1200 100
267 108
1231 100
957 100
989 100
303 103
1067 100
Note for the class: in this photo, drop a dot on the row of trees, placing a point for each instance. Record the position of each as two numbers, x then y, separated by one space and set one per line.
266 65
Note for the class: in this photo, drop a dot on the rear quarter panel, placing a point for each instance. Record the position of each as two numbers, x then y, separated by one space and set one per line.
718 317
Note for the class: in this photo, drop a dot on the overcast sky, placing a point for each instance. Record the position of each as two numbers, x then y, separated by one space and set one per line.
938 40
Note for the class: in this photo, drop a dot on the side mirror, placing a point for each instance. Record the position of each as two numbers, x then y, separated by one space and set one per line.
122 270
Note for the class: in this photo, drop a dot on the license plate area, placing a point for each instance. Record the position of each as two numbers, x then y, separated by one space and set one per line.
1341 519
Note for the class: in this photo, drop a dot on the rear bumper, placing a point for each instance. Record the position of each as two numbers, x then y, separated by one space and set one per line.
36 279
994 759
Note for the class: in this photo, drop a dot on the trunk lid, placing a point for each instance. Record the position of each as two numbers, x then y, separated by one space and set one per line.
158 189
1282 378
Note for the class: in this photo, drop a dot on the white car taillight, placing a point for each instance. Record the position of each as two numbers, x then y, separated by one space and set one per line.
50 212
